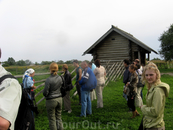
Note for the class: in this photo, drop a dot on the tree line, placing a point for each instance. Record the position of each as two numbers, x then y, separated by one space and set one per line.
12 62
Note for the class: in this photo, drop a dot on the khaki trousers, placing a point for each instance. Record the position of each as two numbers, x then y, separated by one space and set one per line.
67 102
54 108
99 90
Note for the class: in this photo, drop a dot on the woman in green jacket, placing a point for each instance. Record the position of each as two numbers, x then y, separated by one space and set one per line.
153 111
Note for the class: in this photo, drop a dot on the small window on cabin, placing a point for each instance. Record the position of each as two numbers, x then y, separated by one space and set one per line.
113 39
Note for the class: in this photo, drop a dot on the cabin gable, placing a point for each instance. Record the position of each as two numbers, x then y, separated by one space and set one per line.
113 47
116 45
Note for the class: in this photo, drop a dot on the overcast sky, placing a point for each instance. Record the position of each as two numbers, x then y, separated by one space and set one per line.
46 30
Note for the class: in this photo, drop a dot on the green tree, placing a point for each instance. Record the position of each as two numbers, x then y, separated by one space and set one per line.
60 62
36 63
21 63
11 61
46 62
5 64
166 40
156 59
69 62
87 61
28 62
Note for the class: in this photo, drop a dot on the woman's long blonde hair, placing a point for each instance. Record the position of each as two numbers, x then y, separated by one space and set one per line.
53 68
151 66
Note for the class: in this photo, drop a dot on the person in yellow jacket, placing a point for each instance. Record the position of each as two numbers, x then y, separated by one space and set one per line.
153 111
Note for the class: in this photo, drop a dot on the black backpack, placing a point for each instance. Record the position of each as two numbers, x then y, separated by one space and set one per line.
25 116
63 88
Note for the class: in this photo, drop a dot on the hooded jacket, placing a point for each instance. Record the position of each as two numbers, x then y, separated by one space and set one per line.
153 111
88 80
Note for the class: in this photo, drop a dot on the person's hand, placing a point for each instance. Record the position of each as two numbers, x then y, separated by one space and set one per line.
140 107
127 84
34 87
124 91
77 82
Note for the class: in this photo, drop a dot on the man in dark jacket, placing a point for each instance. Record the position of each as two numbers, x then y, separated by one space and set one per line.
88 82
78 77
126 76
69 86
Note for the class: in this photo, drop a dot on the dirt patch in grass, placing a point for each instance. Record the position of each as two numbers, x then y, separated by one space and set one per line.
171 74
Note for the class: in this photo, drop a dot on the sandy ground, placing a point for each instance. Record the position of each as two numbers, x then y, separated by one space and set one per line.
171 74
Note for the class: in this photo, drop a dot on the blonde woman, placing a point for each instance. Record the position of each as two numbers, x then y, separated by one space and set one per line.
153 111
53 97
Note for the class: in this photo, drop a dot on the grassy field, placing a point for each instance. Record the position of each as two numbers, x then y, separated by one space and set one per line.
19 70
114 115
166 70
161 64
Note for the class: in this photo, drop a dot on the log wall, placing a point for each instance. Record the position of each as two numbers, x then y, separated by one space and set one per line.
114 47
134 48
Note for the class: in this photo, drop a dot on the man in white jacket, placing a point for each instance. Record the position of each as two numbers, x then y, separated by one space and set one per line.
10 97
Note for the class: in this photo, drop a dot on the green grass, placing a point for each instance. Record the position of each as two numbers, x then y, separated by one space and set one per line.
166 70
114 115
19 70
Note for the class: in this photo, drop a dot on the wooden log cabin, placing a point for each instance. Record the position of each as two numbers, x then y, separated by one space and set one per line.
116 45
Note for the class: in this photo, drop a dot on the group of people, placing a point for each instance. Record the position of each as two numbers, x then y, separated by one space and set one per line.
90 78
133 86
134 79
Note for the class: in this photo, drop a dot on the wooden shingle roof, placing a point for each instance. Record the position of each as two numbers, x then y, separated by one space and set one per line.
123 33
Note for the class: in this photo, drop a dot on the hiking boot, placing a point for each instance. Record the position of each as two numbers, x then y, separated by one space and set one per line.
134 114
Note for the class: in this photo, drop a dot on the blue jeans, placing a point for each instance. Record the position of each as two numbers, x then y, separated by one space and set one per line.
125 96
85 103
142 94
